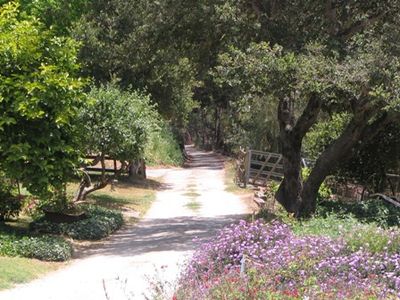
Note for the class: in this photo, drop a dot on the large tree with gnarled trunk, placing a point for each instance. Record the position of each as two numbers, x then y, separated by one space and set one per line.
365 83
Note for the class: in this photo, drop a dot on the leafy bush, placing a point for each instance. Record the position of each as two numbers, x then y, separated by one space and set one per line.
100 223
357 236
162 147
324 192
48 248
41 95
371 210
10 206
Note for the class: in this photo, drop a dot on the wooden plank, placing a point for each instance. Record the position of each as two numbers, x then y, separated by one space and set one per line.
264 174
256 152
273 169
263 166
94 169
261 163
267 165
247 167
95 156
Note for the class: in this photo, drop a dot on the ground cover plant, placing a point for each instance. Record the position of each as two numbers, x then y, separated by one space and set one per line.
99 223
257 260
49 248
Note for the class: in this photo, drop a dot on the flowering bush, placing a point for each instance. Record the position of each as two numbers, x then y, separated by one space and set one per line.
268 261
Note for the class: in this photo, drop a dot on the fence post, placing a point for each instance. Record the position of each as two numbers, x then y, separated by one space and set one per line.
247 167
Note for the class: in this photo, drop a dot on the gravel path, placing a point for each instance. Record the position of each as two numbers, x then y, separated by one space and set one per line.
192 204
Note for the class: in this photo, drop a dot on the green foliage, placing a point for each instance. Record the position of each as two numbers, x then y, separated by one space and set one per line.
117 123
140 44
330 225
100 223
40 95
373 239
323 133
44 247
162 147
10 205
381 212
324 191
366 235
371 160
57 14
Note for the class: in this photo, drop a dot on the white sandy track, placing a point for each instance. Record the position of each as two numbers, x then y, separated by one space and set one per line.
161 241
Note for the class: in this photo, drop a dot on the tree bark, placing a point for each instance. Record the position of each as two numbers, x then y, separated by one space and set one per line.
86 186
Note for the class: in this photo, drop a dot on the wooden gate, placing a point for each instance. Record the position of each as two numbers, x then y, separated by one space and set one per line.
261 167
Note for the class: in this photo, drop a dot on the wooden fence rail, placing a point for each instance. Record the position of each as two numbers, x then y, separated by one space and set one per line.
260 167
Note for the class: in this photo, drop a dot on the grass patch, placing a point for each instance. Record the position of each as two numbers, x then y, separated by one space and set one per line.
16 270
137 196
191 194
230 185
193 205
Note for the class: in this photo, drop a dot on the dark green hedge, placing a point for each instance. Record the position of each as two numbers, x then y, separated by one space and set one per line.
100 223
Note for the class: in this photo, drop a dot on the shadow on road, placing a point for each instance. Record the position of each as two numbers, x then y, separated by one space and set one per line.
175 234
203 160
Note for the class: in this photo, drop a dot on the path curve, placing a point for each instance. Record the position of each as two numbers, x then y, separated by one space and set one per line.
193 204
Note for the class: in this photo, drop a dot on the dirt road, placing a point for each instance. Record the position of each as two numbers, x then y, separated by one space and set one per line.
193 204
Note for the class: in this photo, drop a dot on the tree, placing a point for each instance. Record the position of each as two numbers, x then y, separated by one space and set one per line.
135 41
365 84
40 96
371 160
60 15
115 125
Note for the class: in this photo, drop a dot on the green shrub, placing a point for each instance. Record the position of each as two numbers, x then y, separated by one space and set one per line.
375 211
100 223
324 191
357 235
49 248
162 147
331 225
10 206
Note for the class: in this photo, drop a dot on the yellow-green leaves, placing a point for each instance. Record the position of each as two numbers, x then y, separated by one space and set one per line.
41 95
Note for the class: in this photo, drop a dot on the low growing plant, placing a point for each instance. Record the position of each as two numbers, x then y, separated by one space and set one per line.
269 261
49 248
100 223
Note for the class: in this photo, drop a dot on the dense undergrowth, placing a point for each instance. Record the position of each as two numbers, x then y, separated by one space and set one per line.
346 254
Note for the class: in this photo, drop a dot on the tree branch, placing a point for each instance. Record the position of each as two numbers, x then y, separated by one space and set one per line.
308 117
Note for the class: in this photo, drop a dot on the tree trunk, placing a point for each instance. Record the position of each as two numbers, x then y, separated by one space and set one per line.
86 186
289 190
137 169
291 135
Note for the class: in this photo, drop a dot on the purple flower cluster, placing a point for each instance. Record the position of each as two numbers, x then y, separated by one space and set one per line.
311 266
